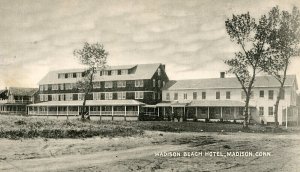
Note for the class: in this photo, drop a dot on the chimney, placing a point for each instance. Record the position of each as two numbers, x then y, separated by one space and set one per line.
222 74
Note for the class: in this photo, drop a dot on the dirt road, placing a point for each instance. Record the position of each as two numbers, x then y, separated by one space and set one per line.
138 153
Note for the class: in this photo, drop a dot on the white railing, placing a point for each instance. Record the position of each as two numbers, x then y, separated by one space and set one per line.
95 113
15 101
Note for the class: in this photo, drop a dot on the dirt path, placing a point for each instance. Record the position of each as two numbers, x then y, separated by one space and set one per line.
73 161
138 153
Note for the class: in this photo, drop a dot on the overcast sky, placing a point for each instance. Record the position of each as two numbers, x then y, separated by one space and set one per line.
188 36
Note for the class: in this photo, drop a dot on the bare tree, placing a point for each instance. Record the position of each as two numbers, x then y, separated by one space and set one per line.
251 38
94 57
284 39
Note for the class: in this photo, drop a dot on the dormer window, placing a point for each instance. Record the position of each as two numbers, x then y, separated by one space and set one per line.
124 72
158 71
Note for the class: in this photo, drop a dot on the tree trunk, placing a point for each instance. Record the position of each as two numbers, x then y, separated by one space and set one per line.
277 104
83 111
246 115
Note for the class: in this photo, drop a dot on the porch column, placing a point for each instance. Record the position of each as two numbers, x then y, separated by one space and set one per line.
57 111
112 112
38 110
221 112
67 112
100 112
164 112
208 112
158 111
47 111
172 110
125 114
78 110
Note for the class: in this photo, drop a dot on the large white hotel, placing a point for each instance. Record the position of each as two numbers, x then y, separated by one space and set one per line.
122 92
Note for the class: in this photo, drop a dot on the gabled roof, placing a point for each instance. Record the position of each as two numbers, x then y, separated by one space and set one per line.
232 82
20 91
141 71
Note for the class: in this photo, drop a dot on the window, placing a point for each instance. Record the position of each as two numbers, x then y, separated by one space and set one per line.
46 87
227 94
154 84
108 84
159 83
109 72
185 96
167 96
271 111
79 74
154 95
55 87
114 72
70 75
195 95
41 97
74 75
124 72
108 96
41 87
261 93
139 95
121 84
96 85
68 86
203 95
61 97
61 76
282 94
175 96
158 71
54 97
218 95
105 72
121 95
261 111
69 97
271 94
61 86
80 96
158 96
96 96
119 72
66 75
139 83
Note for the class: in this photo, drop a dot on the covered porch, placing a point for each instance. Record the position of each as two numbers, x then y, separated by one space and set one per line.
102 109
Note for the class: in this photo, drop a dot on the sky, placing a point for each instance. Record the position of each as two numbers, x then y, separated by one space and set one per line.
189 36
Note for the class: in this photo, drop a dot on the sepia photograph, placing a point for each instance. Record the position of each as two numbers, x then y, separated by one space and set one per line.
149 85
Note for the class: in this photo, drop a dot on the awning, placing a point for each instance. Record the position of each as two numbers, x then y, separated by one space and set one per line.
217 103
91 103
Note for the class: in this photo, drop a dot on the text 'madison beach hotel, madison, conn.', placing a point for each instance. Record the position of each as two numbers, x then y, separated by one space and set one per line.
124 92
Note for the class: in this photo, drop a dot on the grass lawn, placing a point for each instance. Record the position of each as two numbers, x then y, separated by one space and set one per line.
30 127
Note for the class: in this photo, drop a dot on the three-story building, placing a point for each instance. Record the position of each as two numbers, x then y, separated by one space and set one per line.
118 91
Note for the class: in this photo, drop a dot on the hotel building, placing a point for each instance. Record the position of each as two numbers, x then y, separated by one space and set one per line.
118 91
223 98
